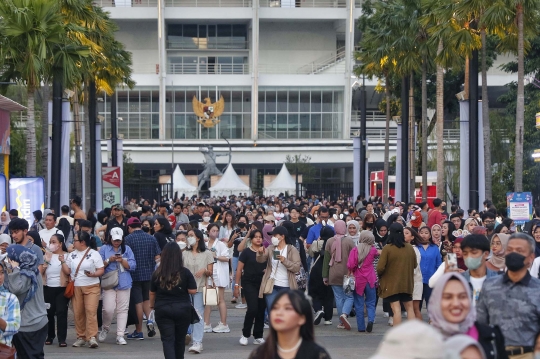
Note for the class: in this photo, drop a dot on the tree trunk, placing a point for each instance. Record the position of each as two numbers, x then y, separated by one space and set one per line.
424 130
45 96
86 149
387 139
412 142
485 119
520 106
440 127
31 136
77 127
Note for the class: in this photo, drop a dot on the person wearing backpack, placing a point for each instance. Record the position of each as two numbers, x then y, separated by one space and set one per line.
163 231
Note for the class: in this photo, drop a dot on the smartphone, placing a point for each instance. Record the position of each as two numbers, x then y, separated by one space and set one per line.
451 258
118 255
276 254
87 272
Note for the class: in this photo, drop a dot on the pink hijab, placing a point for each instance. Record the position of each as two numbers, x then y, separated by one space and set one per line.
340 228
267 239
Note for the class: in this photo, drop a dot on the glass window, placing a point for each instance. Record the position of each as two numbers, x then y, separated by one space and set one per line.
270 101
134 130
236 101
180 101
145 126
293 101
327 101
315 101
155 101
133 101
282 124
122 101
262 107
282 101
304 101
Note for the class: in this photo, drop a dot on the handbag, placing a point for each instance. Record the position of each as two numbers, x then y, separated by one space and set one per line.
195 316
70 288
7 352
110 280
301 279
210 294
349 284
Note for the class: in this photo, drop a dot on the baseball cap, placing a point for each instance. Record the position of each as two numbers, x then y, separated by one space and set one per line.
201 204
117 233
118 206
133 220
402 342
269 218
279 230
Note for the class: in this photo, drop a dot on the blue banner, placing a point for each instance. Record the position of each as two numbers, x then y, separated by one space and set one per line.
27 195
3 191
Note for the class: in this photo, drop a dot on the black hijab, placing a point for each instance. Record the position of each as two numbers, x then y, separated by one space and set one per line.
379 223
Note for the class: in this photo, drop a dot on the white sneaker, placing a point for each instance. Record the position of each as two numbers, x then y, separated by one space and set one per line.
120 340
243 341
345 321
391 321
241 306
266 326
79 343
340 326
92 343
258 341
196 348
103 335
327 322
386 314
221 328
208 328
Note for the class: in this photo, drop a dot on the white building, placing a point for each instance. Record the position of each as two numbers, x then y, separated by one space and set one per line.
281 67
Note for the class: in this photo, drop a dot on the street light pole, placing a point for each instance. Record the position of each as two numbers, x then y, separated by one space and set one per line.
404 139
363 137
56 150
114 131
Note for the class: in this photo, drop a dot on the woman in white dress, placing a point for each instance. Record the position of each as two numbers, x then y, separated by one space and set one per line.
220 252
410 236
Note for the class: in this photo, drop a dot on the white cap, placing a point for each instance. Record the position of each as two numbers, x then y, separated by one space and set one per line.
117 233
5 238
413 339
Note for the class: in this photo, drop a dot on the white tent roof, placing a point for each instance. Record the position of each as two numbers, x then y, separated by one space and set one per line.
229 184
283 182
181 184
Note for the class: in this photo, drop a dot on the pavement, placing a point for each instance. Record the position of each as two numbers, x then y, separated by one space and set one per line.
338 342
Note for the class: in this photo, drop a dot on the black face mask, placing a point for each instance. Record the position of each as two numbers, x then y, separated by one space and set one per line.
145 229
514 261
443 208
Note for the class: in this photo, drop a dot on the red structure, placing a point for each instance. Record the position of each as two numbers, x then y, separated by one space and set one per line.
376 185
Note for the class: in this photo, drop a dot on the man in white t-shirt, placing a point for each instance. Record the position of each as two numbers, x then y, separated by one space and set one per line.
50 229
475 248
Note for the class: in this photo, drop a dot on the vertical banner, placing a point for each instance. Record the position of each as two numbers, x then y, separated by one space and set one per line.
111 186
3 191
520 206
27 195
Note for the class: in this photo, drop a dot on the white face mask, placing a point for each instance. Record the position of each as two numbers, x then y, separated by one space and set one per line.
3 256
53 247
182 245
206 219
275 241
191 241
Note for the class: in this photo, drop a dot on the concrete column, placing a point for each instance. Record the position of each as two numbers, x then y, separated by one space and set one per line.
255 70
349 46
162 69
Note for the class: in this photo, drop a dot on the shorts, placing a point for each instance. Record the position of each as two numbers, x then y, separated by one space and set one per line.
400 297
140 291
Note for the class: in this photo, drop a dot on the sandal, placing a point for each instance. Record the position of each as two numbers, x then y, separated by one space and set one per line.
62 345
48 341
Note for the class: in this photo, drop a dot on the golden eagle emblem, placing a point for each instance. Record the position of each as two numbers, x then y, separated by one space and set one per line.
208 112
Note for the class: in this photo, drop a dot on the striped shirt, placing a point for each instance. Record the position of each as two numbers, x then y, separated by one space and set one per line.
9 311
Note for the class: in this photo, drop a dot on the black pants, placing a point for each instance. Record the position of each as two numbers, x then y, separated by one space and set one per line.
173 321
100 314
326 301
29 345
59 309
255 309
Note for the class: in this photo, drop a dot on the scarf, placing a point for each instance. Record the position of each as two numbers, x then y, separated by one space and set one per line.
497 259
365 243
356 237
458 343
5 223
437 239
28 267
434 309
340 228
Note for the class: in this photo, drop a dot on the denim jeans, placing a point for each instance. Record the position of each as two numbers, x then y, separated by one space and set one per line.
426 294
270 297
369 297
234 267
344 302
197 329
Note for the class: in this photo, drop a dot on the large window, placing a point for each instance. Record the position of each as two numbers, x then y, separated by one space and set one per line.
202 37
297 113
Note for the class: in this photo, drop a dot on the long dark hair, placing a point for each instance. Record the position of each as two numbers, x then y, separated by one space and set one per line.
64 226
429 230
451 229
233 220
396 235
60 238
165 225
170 267
89 241
201 247
417 240
302 306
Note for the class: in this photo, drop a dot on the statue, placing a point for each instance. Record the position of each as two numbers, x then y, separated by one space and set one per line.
209 164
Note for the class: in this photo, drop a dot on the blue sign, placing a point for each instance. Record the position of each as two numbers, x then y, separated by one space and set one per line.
27 195
3 190
520 206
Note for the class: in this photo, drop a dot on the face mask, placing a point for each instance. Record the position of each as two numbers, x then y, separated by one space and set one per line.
275 241
53 247
182 245
474 263
514 262
146 229
444 208
3 256
513 228
346 213
206 219
490 226
191 241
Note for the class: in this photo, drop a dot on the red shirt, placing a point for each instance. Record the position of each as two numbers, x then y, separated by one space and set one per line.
435 217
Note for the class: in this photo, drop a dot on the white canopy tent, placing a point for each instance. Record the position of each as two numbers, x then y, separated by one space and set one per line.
281 184
229 184
182 185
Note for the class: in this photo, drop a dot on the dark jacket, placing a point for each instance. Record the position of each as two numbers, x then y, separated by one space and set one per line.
492 341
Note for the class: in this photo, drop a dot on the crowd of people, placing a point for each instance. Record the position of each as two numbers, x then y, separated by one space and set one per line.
287 261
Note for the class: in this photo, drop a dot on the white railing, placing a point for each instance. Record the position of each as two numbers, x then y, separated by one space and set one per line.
303 3
208 3
324 63
208 69
299 69
144 68
126 3
219 43
370 115
450 134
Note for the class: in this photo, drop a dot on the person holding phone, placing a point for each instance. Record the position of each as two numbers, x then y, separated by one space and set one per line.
237 235
87 287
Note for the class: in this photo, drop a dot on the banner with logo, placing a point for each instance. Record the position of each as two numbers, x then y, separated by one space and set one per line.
111 186
3 191
520 206
27 195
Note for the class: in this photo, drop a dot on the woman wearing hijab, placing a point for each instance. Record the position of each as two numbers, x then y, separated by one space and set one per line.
321 294
360 264
451 311
336 255
464 347
436 235
499 242
26 283
535 233
4 222
353 228
396 272
267 239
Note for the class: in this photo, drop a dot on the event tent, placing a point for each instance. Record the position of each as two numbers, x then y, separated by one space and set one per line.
182 185
281 184
229 184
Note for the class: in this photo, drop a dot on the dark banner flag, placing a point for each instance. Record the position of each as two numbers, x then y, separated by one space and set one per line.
27 195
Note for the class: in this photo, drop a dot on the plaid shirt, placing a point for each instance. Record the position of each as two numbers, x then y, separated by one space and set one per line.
9 311
145 248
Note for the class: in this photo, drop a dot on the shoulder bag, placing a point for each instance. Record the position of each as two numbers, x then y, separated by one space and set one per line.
210 294
195 316
110 279
70 288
